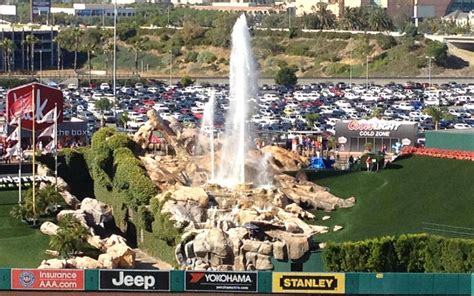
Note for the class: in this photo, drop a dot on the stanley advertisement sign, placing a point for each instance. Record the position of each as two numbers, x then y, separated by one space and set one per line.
308 282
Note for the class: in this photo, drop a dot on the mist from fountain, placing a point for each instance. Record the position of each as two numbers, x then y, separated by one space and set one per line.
207 130
243 85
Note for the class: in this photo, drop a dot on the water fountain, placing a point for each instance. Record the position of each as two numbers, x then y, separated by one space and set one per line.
242 87
207 130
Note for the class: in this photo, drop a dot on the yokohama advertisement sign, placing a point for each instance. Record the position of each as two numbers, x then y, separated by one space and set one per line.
47 279
45 99
209 281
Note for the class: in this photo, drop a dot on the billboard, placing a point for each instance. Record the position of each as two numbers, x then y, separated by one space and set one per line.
47 279
41 6
7 10
376 128
45 99
215 281
308 282
134 280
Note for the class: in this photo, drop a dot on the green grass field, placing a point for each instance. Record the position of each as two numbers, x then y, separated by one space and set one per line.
420 194
20 244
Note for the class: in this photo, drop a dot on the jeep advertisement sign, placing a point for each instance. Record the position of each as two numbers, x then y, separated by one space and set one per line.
209 281
134 280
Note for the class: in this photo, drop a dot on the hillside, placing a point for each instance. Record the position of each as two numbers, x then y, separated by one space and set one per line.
318 54
418 194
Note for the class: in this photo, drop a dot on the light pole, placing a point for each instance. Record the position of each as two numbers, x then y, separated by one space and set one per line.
367 72
41 65
171 67
429 70
114 70
350 71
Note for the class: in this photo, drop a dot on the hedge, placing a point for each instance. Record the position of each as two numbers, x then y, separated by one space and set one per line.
406 253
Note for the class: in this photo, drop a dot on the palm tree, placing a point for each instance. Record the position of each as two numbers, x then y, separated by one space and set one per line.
138 44
30 41
437 114
91 43
108 48
327 19
378 20
70 238
8 47
76 35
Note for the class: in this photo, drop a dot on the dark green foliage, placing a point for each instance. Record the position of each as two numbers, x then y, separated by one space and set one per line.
163 228
286 76
385 41
206 57
31 210
437 50
71 237
407 253
186 81
191 57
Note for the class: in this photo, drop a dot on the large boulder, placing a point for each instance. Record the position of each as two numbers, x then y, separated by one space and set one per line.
49 228
196 194
284 160
53 264
87 263
118 256
263 262
113 240
96 211
70 200
279 250
297 244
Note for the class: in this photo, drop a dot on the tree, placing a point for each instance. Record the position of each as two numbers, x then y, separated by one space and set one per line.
437 114
76 35
379 20
186 81
91 44
326 19
138 44
30 41
45 202
286 76
123 119
8 46
102 105
437 50
70 238
311 118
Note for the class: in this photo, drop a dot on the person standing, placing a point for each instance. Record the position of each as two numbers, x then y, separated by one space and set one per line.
368 162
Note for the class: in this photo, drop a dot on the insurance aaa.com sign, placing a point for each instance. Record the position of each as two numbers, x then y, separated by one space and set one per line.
47 279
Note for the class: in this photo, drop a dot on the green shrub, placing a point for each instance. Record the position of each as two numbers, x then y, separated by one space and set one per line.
191 57
385 41
407 253
206 57
298 49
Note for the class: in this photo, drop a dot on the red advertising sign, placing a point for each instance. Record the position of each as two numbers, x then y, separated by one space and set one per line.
45 99
48 279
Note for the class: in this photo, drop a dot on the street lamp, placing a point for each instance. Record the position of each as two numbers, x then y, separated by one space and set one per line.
367 72
41 65
429 69
171 67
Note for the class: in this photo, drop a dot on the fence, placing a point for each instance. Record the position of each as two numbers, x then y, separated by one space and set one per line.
231 282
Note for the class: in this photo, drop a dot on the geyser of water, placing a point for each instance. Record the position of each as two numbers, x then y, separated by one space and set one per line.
207 130
243 85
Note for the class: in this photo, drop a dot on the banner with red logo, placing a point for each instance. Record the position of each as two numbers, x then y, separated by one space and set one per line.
48 279
20 102
220 281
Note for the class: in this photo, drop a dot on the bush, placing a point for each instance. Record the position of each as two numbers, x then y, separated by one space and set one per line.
191 57
206 57
286 76
298 49
385 41
407 253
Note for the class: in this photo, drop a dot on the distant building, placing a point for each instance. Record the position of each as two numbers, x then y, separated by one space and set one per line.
91 10
45 49
460 18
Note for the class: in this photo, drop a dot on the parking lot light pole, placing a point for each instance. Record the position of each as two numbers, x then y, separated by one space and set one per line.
367 72
429 70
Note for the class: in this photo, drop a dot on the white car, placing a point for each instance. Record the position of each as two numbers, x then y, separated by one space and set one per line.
104 86
462 126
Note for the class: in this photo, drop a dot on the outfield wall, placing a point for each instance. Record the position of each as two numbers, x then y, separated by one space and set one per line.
231 282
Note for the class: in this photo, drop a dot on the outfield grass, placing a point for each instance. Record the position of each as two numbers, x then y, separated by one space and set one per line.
20 244
403 199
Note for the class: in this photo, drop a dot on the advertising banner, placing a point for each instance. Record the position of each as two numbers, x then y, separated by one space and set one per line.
40 6
47 279
65 129
45 98
7 10
376 128
212 281
134 280
308 282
